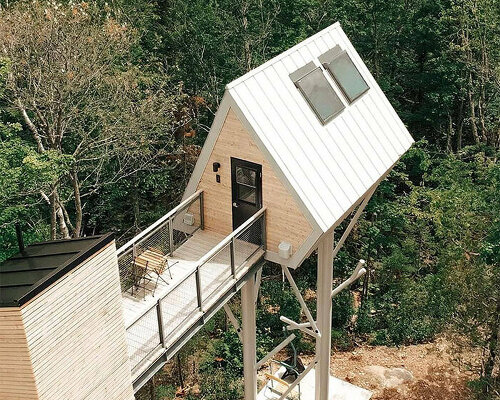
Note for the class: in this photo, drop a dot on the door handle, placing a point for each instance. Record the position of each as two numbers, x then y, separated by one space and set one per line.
235 205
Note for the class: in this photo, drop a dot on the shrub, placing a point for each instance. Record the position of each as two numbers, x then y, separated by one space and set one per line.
220 384
165 392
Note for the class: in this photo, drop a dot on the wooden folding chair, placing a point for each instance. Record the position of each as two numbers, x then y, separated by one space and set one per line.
158 263
140 276
278 385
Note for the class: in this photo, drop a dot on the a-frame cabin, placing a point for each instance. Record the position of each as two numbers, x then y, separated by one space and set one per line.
308 135
297 145
316 167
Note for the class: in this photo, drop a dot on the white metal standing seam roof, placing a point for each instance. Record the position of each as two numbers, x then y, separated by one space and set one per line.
329 166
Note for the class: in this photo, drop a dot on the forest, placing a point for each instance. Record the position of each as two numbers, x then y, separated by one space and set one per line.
104 107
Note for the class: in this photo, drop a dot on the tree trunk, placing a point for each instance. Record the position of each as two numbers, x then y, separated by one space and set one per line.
63 228
31 126
460 125
78 204
247 53
376 49
484 133
135 202
366 281
472 108
179 371
449 134
53 217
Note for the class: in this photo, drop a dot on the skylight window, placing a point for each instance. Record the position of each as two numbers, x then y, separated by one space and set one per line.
315 88
345 73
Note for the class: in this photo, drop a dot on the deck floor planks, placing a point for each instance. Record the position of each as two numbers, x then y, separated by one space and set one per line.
179 300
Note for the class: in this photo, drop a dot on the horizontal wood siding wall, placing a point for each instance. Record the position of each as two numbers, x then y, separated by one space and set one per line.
285 222
17 381
76 334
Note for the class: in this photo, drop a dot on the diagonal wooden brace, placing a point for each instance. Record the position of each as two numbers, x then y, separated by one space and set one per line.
299 378
276 350
358 272
233 320
299 297
300 327
353 221
258 280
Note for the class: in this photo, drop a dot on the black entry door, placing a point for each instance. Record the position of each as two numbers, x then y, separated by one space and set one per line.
246 185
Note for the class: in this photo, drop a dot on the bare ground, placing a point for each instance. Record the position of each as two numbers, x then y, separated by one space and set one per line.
434 375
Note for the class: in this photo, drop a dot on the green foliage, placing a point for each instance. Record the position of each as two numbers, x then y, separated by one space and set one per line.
430 234
342 310
277 300
221 384
165 392
23 172
341 340
221 368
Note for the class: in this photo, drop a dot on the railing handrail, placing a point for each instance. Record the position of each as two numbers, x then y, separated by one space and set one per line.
224 242
159 222
204 259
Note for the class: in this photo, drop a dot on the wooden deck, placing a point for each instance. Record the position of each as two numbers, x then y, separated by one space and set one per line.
179 303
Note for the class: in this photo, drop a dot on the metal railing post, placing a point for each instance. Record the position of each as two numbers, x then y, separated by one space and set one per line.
198 288
202 213
264 233
160 323
231 252
171 235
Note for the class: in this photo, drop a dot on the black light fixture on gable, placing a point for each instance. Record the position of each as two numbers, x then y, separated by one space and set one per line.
216 166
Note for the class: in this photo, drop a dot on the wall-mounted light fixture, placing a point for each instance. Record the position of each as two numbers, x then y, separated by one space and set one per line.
216 166
285 250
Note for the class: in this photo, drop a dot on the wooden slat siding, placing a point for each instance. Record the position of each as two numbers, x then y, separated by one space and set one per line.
285 221
76 334
17 381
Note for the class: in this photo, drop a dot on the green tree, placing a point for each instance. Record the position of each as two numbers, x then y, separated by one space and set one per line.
72 81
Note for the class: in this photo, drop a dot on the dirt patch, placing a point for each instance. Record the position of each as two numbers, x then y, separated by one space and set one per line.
434 376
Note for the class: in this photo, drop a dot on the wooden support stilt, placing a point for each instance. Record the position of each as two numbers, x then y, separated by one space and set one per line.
249 338
324 316
299 297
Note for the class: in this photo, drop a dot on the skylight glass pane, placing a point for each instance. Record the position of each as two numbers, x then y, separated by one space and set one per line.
347 76
320 95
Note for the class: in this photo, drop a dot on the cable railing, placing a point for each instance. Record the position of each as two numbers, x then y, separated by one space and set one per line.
162 323
164 236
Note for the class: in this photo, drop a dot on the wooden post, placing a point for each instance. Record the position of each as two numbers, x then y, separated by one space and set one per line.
249 338
202 212
324 316
159 315
198 289
179 371
171 235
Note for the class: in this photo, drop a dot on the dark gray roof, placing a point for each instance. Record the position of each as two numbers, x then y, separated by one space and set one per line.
39 265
